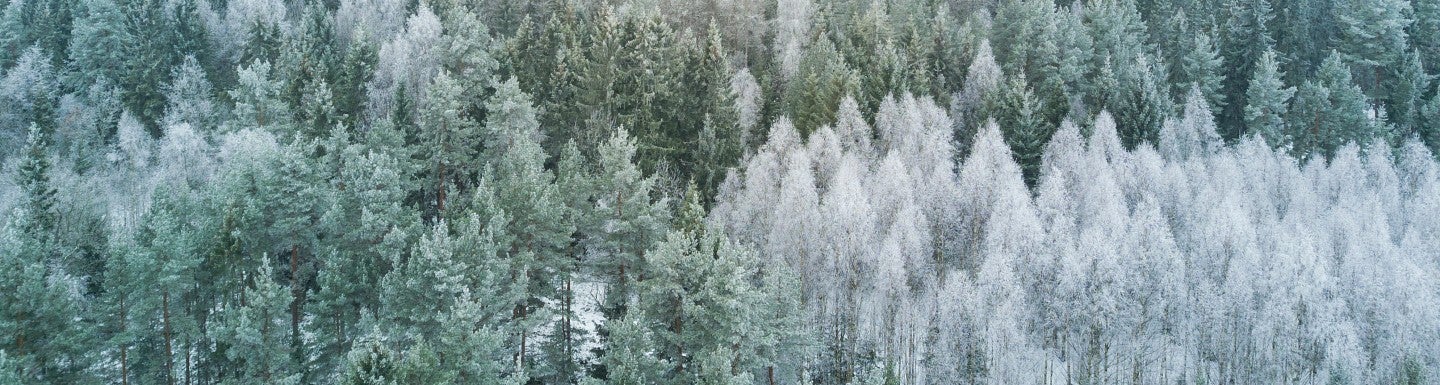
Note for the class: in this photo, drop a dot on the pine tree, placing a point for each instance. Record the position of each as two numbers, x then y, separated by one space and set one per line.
370 362
1407 92
1016 109
251 333
353 72
626 218
1244 37
719 140
371 225
39 308
1331 112
152 46
1142 103
1352 110
449 141
537 219
1201 67
822 80
1268 99
33 176
1373 41
1425 33
1429 130
98 47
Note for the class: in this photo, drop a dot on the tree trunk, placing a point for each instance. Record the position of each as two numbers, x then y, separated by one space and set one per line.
124 356
169 345
440 188
569 353
296 290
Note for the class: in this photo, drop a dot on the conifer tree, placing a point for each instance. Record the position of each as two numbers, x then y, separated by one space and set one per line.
1373 41
449 141
822 80
33 176
98 47
1330 112
1244 37
626 218
251 334
1201 67
1407 92
1268 99
1017 110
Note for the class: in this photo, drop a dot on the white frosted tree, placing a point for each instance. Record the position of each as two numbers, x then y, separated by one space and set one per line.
792 34
406 63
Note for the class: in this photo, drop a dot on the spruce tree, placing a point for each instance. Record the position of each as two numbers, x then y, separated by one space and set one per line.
33 177
1016 109
1373 41
1268 100
823 79
98 47
1407 93
1200 67
1244 37
1425 33
1330 112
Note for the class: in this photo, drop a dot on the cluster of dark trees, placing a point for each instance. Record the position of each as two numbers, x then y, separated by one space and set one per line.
719 192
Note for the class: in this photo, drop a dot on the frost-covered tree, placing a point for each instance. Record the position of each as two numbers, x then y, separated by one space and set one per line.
30 91
792 35
406 64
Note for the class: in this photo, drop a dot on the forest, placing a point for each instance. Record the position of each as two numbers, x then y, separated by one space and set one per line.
672 192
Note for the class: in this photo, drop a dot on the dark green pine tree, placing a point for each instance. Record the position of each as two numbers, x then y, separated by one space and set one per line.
1304 34
716 144
705 305
1143 102
304 68
369 224
1330 112
351 75
370 362
45 24
1373 42
1200 67
1016 109
99 47
1429 128
536 221
449 142
154 46
593 68
160 275
1269 100
814 94
625 218
1407 96
250 333
40 303
1244 36
1425 33
33 177
40 308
